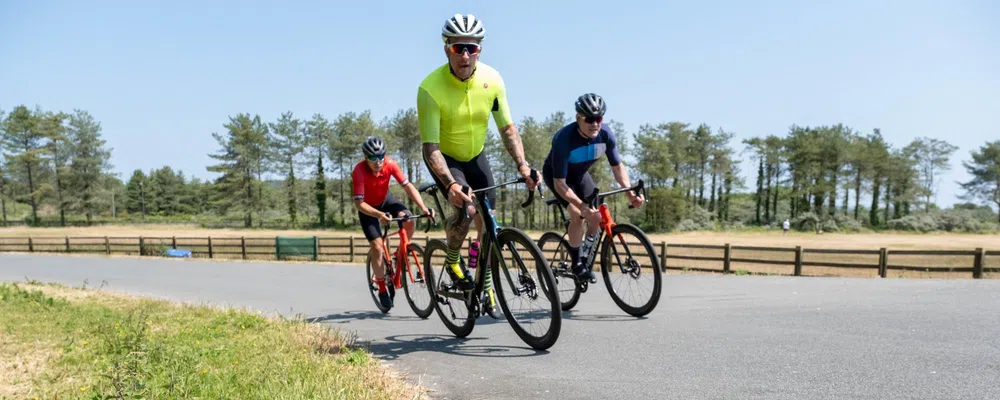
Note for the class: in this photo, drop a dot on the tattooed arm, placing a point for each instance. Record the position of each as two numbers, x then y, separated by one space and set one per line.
439 167
512 141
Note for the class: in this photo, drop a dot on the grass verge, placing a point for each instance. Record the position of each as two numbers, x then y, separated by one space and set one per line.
70 343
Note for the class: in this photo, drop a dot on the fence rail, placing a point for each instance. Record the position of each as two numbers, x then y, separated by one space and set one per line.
794 261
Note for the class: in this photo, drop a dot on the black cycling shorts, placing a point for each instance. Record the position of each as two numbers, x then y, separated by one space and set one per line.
371 225
582 186
476 173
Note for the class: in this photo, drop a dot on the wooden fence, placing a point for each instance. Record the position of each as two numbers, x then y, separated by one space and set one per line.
795 261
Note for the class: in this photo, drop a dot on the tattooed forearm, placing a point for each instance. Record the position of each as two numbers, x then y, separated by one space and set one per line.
512 141
436 163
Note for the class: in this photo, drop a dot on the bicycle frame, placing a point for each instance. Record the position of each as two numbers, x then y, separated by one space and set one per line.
596 200
488 247
398 256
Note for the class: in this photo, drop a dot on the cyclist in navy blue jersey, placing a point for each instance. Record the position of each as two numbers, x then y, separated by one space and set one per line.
575 148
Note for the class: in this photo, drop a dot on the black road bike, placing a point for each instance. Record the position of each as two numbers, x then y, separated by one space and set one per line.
522 277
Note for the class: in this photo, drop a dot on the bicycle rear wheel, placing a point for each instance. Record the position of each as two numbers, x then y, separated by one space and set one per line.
626 266
560 262
448 299
521 275
417 296
373 286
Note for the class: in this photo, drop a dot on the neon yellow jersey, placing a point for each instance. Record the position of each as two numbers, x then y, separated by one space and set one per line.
456 114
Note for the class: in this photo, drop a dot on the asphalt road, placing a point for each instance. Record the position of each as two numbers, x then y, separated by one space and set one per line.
711 337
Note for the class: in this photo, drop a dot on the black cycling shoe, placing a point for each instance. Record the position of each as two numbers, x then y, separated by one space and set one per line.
385 299
584 273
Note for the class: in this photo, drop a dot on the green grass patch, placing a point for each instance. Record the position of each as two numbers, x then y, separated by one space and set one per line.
67 343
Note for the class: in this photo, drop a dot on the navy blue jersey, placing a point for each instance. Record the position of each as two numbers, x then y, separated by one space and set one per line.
572 155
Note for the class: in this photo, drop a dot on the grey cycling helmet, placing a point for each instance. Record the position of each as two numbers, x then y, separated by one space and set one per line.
591 105
373 147
463 26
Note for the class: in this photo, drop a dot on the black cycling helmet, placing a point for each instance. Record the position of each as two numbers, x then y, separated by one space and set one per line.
591 105
373 146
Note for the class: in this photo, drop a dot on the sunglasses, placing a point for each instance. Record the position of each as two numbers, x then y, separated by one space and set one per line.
591 120
376 158
458 48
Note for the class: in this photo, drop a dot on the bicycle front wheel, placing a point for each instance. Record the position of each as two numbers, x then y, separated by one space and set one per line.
631 270
522 278
412 270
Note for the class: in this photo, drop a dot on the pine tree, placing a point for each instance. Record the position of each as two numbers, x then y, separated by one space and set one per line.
91 160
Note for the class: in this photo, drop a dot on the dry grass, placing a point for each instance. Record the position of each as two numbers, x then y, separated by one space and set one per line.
20 364
863 241
163 230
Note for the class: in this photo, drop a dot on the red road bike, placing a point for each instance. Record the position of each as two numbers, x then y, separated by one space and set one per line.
403 263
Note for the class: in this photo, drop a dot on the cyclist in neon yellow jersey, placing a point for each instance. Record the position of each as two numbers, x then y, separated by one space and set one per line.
454 104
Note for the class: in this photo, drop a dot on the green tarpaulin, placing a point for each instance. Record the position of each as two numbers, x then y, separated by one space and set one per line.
295 246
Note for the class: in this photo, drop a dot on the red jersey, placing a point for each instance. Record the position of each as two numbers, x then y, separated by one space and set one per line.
373 187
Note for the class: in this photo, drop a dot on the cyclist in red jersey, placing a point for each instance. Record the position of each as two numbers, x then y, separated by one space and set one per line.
376 206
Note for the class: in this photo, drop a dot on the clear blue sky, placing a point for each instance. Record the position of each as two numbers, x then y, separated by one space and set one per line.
162 77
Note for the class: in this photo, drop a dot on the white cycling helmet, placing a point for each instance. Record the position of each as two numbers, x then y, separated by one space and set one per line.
463 26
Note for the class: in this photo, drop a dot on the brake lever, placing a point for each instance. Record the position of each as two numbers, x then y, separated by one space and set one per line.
531 193
640 187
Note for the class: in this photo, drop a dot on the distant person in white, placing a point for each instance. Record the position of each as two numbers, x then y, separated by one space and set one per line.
785 225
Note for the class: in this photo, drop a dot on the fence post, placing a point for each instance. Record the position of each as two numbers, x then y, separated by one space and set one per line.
243 244
977 266
31 245
663 256
209 247
883 262
107 245
142 246
351 245
173 242
67 244
725 259
798 260
315 248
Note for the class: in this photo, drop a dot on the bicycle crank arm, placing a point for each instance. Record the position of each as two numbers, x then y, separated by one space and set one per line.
453 295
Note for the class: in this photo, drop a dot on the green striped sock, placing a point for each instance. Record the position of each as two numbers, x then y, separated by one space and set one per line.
451 257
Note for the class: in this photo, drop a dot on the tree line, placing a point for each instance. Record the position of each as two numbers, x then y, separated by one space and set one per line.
296 170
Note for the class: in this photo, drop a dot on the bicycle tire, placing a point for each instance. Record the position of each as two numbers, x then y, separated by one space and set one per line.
431 278
373 288
570 301
548 339
607 257
425 312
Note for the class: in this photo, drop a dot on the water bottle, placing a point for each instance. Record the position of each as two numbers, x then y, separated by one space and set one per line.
473 254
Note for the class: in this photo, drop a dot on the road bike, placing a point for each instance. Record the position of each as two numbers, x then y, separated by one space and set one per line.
609 236
528 280
407 263
489 295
